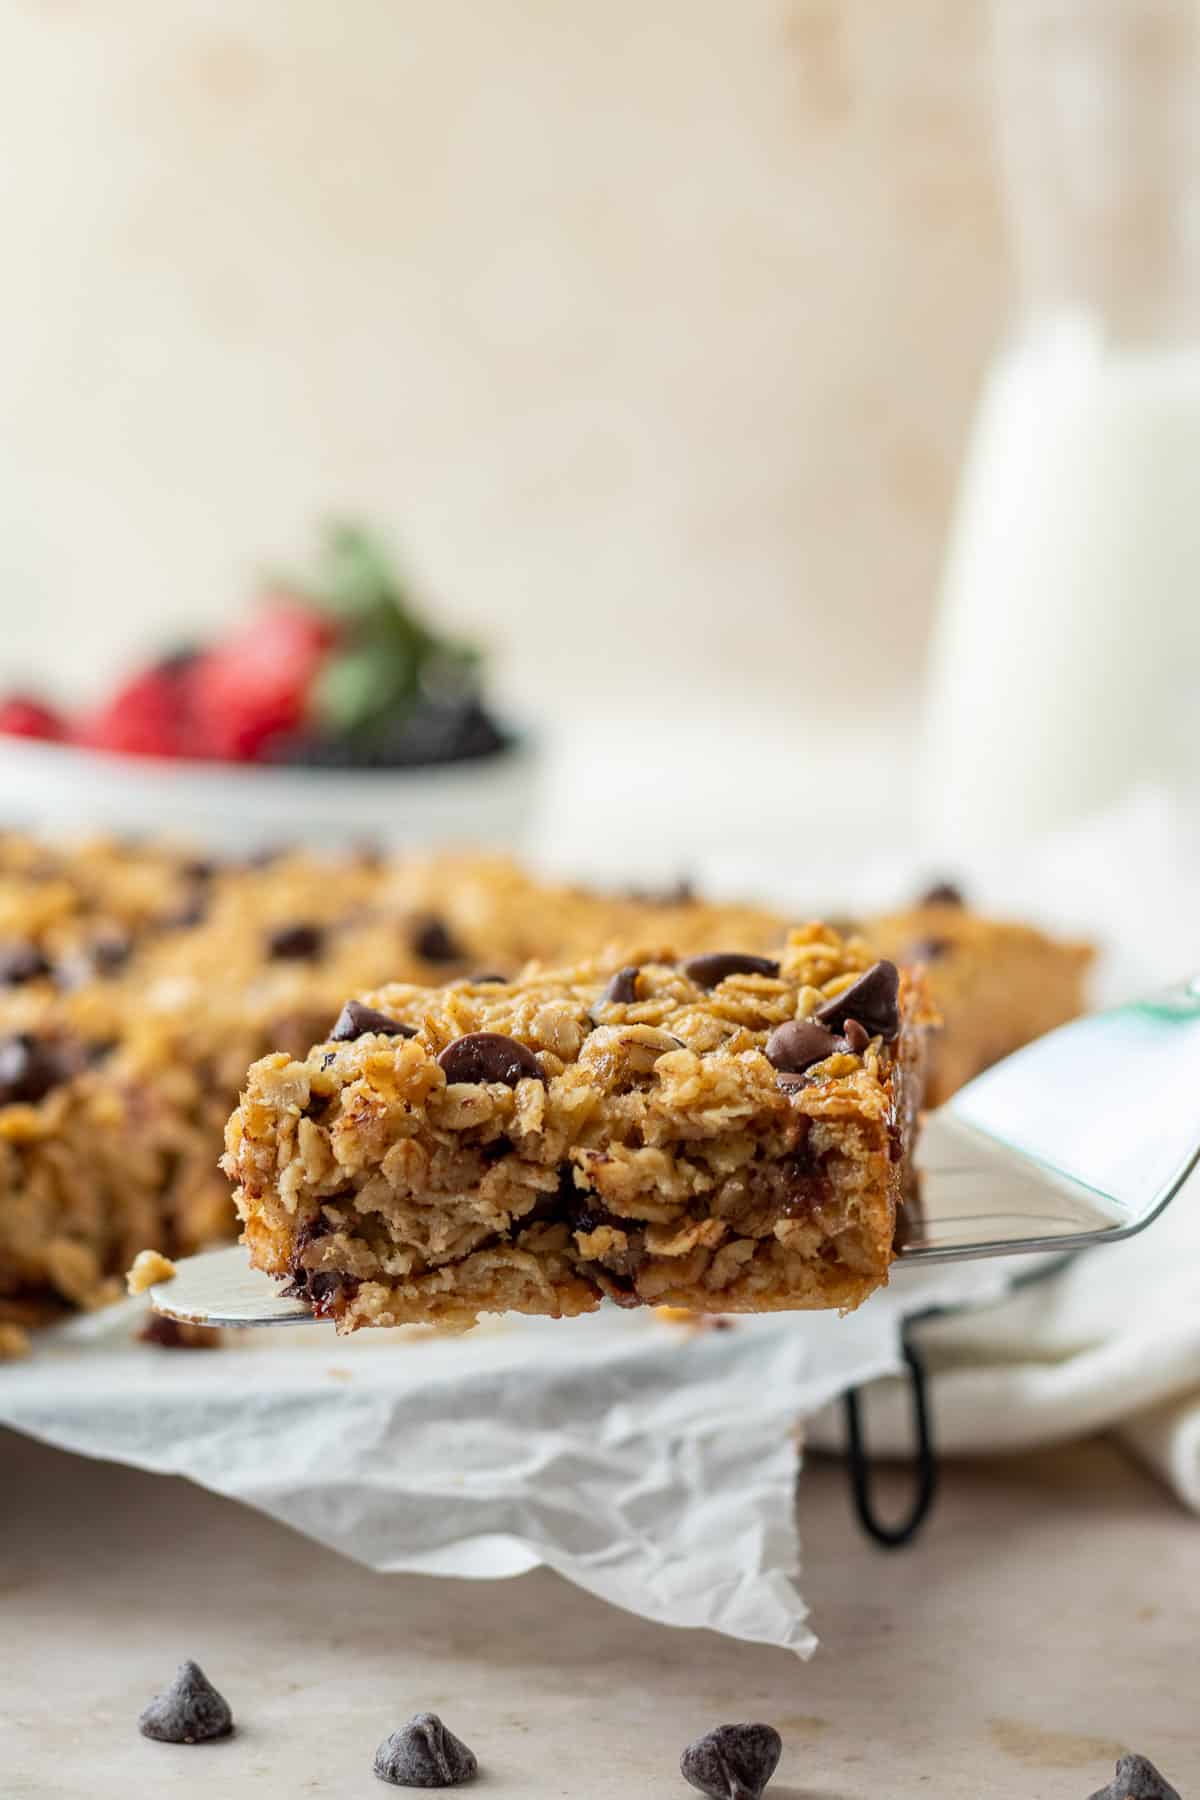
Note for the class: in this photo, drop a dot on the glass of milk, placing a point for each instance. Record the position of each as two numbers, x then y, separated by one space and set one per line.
1065 664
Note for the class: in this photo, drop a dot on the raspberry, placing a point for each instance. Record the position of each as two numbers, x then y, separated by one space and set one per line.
23 716
254 687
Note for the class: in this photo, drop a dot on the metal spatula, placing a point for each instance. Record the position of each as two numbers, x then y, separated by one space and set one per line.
1081 1138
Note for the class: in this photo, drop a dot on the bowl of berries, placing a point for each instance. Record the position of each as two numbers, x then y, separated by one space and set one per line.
333 713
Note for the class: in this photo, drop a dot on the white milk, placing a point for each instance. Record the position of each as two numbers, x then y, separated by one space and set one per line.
1066 660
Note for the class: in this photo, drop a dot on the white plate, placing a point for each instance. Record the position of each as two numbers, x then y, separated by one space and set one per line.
236 808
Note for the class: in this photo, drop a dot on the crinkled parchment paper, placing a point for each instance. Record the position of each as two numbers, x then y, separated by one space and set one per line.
652 1463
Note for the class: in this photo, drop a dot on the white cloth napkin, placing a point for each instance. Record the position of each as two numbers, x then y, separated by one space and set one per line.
1110 1340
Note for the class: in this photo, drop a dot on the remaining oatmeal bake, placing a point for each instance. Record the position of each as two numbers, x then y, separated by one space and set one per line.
997 985
729 1132
137 985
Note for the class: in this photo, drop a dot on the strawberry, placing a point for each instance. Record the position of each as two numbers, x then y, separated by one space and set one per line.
21 715
145 717
255 686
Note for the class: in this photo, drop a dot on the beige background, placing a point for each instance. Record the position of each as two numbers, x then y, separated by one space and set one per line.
650 330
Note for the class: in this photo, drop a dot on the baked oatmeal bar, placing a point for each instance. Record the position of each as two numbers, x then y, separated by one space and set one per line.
996 985
726 1133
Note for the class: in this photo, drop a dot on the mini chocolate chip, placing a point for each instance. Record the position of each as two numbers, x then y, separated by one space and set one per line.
169 1334
433 939
489 1056
30 1067
733 1762
488 978
424 1754
795 1046
355 1020
102 956
942 893
707 971
874 1000
1137 1779
927 950
199 868
301 942
190 1711
192 912
857 1036
681 893
21 962
622 989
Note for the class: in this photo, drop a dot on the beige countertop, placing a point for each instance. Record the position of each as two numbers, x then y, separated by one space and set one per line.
1048 1618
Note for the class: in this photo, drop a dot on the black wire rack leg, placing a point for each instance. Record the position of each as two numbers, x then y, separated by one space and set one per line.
893 1537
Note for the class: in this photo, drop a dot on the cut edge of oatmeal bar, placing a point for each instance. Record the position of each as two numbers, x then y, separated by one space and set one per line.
649 1143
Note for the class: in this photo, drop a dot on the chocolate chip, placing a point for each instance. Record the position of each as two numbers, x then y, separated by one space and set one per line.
857 1036
424 1754
874 1000
199 868
707 971
942 893
489 1056
680 893
1136 1779
488 978
170 1334
301 942
734 1762
794 1047
190 1711
928 949
21 962
433 940
102 956
30 1067
355 1020
622 989
193 912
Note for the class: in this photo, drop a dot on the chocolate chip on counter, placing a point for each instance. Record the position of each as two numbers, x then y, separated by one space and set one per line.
424 1754
30 1067
797 1045
942 893
488 978
21 962
355 1020
857 1036
734 1762
489 1056
707 971
874 1000
190 1711
1136 1779
928 950
622 989
301 942
433 940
